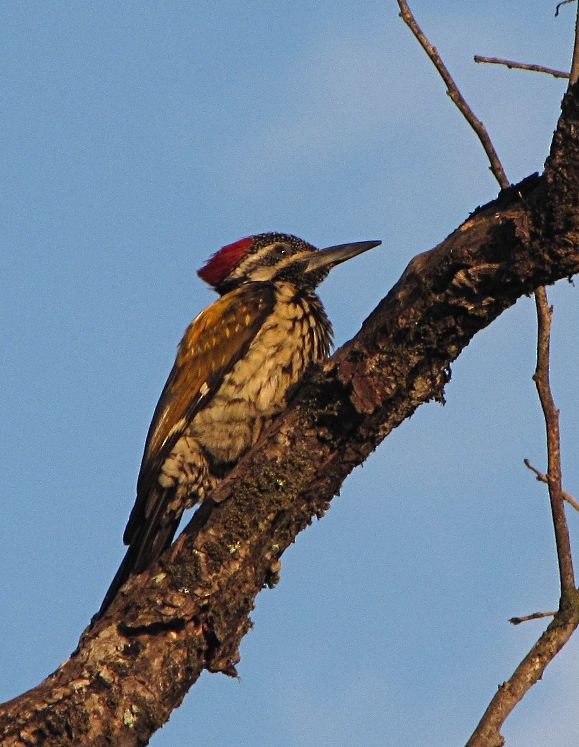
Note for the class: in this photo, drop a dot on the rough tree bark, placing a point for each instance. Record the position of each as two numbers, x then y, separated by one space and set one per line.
134 666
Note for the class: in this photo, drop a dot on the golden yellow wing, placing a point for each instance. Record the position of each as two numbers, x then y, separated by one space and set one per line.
210 347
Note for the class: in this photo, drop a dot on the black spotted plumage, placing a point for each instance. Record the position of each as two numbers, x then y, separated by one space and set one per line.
236 364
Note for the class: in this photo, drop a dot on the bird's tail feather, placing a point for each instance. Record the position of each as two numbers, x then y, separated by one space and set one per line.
148 540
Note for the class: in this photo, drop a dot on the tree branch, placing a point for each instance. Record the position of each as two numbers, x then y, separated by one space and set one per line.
512 65
533 616
551 414
190 612
542 477
559 5
525 676
454 93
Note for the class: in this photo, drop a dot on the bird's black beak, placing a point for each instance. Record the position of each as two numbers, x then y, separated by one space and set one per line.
334 255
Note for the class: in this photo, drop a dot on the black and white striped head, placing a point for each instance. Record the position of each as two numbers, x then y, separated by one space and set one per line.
275 256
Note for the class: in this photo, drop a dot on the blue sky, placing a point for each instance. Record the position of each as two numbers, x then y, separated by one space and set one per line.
140 137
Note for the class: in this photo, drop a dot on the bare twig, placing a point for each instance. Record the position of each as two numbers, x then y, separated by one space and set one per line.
455 94
190 612
551 414
542 477
533 616
566 619
563 2
528 673
511 64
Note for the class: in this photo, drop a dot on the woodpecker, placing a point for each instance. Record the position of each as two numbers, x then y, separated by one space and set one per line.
237 362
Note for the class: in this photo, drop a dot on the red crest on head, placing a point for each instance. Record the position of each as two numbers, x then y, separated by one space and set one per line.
218 267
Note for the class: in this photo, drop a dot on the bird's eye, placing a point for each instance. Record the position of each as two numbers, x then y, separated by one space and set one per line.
281 250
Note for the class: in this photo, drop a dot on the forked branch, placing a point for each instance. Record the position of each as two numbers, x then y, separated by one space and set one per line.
190 612
551 415
542 477
566 619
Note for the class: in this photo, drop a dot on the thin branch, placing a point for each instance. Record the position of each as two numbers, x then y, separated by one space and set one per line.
541 477
455 94
533 616
527 674
563 2
190 611
551 414
511 64
566 619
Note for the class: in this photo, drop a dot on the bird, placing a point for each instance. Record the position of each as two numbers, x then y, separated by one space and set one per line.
236 366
